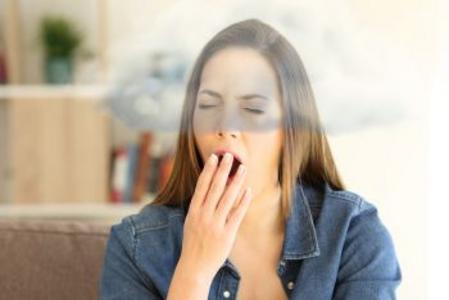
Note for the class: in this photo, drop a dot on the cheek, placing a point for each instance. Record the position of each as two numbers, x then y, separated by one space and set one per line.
201 140
265 149
201 124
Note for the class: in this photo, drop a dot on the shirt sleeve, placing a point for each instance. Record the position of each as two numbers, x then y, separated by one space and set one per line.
369 268
121 278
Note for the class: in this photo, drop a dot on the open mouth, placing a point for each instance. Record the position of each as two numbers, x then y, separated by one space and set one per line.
235 165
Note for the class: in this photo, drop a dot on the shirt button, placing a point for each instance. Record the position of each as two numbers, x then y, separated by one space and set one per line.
290 285
226 294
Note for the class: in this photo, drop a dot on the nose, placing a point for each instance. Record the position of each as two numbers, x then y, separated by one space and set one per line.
228 125
224 133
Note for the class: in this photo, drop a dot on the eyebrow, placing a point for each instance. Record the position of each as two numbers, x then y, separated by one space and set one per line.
243 97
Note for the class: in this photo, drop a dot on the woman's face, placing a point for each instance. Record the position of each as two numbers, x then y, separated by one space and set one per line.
238 109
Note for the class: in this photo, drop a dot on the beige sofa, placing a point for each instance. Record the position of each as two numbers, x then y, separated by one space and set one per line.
51 259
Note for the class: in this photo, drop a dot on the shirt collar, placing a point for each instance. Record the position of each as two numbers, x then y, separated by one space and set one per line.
300 234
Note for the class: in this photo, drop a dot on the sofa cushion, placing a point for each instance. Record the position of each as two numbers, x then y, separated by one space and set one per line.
47 259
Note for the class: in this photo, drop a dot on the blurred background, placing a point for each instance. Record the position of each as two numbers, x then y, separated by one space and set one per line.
91 93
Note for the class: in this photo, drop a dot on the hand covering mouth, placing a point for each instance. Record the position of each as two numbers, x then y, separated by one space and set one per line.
235 164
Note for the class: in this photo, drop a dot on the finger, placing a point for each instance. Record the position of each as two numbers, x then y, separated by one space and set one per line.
235 219
236 203
231 195
203 182
218 184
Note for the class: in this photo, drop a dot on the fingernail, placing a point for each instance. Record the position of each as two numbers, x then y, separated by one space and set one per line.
212 159
228 157
241 169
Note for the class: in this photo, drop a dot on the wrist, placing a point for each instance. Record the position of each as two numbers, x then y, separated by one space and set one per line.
188 270
188 283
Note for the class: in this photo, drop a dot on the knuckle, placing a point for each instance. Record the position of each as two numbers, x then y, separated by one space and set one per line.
202 221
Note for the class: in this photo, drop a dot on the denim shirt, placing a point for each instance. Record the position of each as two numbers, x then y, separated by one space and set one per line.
335 247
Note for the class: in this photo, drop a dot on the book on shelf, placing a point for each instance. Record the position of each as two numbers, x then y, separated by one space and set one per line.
165 169
3 66
136 172
132 150
140 182
119 170
3 70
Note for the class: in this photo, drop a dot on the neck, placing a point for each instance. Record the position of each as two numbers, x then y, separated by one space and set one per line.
264 213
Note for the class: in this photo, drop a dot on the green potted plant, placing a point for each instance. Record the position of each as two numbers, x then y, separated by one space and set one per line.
60 39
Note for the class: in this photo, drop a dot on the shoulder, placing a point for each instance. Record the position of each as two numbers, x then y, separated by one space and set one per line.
368 265
344 203
362 214
358 218
357 207
151 237
367 242
151 217
354 201
144 247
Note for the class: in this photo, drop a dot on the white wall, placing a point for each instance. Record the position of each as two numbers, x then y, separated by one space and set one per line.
438 204
82 12
387 166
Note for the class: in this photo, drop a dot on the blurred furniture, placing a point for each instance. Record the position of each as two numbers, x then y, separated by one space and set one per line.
92 212
54 141
55 144
48 259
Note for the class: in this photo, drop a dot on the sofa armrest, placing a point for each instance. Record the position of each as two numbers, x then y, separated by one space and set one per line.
46 259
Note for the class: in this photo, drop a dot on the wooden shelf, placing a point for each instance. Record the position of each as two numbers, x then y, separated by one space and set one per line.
69 91
55 140
72 211
54 150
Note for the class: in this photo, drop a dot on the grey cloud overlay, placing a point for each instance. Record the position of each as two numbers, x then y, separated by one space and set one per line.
358 77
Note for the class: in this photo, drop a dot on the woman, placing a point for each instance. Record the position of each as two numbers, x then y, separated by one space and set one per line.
282 228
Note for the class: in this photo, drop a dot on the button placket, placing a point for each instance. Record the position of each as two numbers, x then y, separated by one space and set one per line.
229 283
281 267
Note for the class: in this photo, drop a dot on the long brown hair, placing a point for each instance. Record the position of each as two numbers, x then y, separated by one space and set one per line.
305 156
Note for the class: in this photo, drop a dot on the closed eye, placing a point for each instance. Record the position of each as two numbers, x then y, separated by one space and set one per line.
205 106
256 111
252 110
